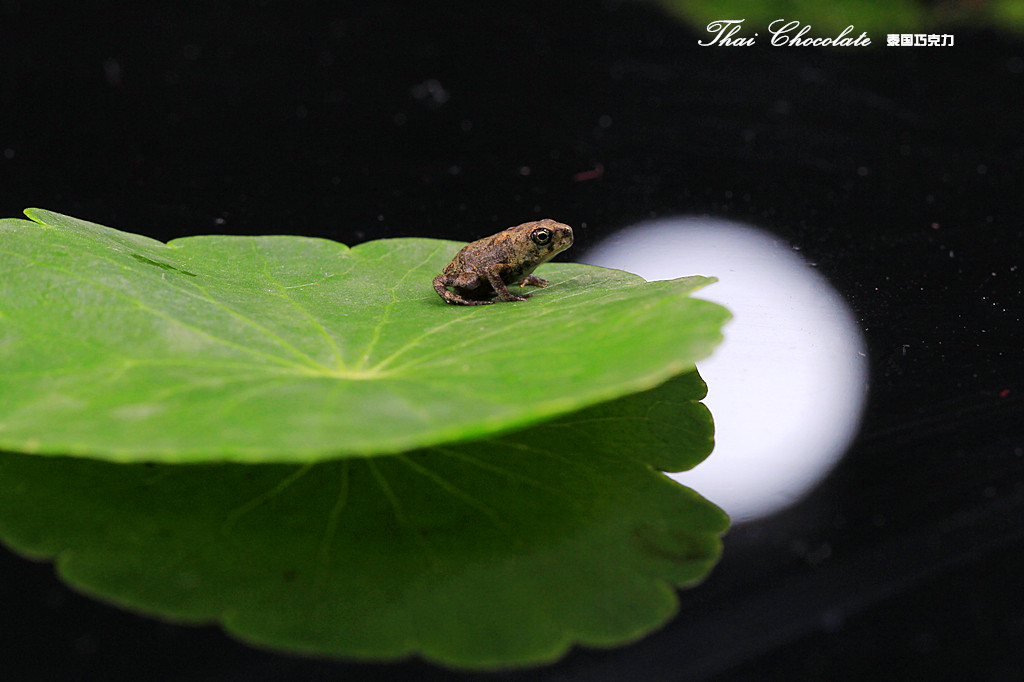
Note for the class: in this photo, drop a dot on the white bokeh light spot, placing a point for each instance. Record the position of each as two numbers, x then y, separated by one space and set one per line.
786 386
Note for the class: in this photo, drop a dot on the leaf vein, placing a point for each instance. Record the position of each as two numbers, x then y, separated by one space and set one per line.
306 313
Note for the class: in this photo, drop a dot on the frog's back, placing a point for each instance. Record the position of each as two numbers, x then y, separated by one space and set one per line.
476 255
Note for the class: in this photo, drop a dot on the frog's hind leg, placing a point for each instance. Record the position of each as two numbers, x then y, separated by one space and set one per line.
441 284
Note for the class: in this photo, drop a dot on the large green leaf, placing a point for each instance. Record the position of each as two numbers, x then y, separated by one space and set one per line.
503 551
250 349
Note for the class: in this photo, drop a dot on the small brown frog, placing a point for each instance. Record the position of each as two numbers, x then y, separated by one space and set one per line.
487 266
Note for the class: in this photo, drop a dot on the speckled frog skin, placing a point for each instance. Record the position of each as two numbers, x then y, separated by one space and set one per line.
485 268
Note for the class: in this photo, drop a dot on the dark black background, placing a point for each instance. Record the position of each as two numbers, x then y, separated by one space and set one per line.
896 170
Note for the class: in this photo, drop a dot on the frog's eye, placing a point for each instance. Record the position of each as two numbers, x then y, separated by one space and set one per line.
541 237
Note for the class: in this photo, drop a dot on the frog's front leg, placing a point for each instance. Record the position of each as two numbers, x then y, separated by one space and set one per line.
443 281
500 288
534 281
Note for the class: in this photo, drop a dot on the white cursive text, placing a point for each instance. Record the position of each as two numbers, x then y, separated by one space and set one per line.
724 30
724 33
780 36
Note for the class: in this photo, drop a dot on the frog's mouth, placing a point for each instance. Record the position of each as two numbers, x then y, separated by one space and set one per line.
567 238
